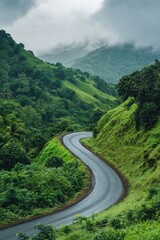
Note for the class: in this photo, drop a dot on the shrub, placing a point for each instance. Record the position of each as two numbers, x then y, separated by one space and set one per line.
54 162
110 234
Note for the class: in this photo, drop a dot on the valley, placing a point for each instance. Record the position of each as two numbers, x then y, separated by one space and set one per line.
39 102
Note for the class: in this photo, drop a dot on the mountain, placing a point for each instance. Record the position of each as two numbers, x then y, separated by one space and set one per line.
43 98
65 54
111 63
134 150
37 102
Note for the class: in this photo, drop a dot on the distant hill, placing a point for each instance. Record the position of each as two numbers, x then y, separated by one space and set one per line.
111 63
65 54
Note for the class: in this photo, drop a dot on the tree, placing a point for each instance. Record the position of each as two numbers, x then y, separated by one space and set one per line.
97 114
148 115
144 86
4 71
12 153
54 161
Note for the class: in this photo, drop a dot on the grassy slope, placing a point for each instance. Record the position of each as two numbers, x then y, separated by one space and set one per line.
55 148
41 80
125 148
88 93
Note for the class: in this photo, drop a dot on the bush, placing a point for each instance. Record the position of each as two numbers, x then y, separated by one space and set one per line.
148 115
12 153
45 232
88 225
54 162
66 229
110 234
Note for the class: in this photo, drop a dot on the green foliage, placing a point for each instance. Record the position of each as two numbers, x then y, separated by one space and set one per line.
110 234
88 225
38 100
12 153
44 232
22 236
97 114
136 154
144 86
54 162
149 115
34 189
66 229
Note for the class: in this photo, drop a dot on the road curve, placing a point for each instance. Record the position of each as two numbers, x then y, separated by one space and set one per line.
107 190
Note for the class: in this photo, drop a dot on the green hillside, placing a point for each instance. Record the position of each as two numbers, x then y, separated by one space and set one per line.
134 150
111 63
128 137
136 155
38 101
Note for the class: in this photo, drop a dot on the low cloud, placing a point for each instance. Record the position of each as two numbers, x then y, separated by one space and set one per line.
59 22
132 21
45 24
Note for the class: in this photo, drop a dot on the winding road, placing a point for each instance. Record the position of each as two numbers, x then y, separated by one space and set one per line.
107 190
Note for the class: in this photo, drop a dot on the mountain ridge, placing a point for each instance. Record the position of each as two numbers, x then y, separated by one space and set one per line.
111 63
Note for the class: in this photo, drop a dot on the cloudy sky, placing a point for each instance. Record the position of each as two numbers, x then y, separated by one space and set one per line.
46 24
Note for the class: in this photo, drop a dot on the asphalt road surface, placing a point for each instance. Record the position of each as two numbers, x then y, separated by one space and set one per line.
107 190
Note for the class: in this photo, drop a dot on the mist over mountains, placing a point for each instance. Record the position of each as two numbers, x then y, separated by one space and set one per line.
65 54
108 62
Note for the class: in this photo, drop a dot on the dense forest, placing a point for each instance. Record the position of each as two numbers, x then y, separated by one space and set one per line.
39 100
113 62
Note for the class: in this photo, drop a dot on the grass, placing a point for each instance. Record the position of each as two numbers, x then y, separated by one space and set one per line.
54 148
87 93
130 152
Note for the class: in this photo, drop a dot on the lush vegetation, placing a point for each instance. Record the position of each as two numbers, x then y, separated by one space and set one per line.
144 87
111 63
136 153
51 180
39 100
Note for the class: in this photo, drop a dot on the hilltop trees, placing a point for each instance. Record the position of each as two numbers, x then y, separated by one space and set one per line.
144 87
